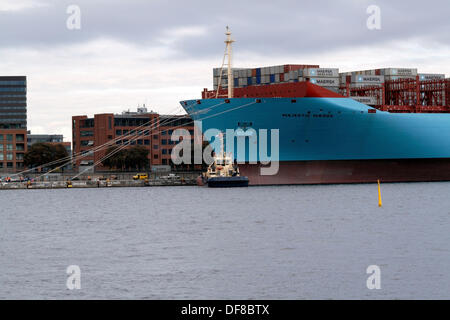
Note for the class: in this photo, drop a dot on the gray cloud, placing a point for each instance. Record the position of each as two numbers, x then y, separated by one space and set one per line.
266 27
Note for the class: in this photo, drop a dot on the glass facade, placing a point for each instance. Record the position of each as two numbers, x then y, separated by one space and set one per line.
13 103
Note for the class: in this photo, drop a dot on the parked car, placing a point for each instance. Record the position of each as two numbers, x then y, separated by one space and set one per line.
140 176
171 176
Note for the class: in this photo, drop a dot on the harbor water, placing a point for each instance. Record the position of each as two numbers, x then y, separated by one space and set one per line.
284 242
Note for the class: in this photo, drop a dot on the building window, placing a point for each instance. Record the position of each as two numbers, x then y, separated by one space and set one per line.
19 156
109 123
1 137
164 161
9 156
9 165
85 143
155 156
1 147
146 132
20 137
155 136
9 147
19 165
86 133
1 165
164 151
20 147
155 147
163 141
163 133
139 142
9 137
118 132
2 157
133 142
147 142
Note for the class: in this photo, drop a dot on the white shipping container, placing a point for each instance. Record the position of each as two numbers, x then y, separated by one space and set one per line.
277 77
321 72
286 76
390 78
431 76
325 82
369 72
399 71
362 85
371 101
272 70
367 79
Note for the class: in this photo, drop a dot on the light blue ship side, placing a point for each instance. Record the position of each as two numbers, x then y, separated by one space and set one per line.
330 128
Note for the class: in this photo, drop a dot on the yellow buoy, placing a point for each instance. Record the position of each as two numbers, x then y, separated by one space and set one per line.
380 203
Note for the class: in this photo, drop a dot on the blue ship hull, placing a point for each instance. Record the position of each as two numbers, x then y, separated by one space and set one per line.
333 129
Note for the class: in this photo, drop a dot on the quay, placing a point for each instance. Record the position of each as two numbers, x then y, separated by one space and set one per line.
95 184
57 181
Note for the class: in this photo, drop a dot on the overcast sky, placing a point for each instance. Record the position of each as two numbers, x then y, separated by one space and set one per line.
158 52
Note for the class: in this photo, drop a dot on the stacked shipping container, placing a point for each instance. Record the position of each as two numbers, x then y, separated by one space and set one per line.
391 89
260 76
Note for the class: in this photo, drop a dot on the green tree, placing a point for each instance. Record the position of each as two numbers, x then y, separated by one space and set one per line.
129 159
42 153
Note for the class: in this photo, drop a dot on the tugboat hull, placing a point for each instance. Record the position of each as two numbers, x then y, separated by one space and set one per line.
228 182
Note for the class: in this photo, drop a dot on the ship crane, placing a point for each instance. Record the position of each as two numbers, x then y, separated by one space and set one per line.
228 55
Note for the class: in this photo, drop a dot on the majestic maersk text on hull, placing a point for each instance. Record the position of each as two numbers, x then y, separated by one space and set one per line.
335 140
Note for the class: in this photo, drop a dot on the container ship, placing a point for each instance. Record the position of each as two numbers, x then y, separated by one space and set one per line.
390 124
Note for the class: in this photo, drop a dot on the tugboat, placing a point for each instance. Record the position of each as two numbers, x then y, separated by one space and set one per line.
223 173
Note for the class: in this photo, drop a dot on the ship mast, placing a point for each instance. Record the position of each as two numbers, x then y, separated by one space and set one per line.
229 53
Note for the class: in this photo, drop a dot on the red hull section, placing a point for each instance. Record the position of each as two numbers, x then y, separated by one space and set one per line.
351 171
292 90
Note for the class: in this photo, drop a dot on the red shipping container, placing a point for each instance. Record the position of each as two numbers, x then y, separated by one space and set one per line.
253 72
293 67
281 77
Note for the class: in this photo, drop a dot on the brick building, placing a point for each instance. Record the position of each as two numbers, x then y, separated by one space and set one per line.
13 123
147 129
